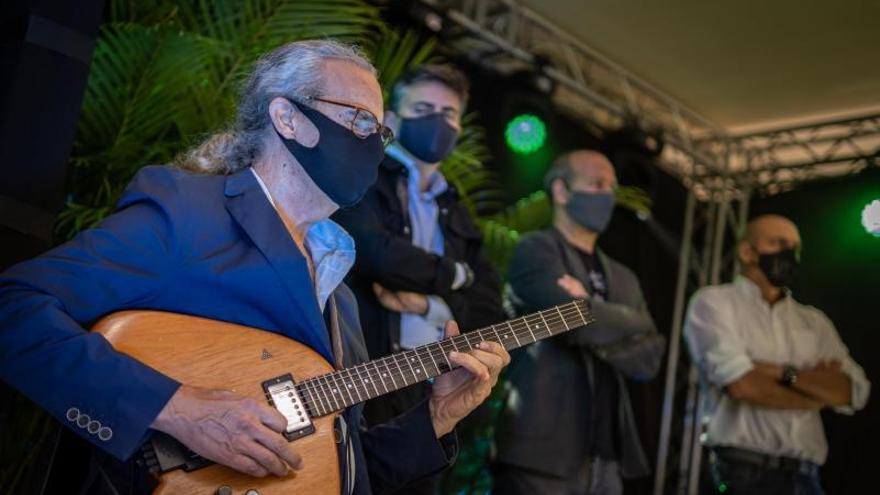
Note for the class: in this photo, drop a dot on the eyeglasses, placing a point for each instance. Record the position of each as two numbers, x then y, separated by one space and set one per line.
363 124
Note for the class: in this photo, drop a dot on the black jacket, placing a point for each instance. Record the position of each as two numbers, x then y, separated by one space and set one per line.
385 254
543 427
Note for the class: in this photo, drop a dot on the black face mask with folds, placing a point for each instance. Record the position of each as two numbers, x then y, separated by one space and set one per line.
591 210
780 268
342 164
430 138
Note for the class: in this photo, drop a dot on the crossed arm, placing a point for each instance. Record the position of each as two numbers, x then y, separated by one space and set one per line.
835 381
817 387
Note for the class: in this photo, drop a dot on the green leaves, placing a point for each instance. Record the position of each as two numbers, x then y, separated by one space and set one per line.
166 73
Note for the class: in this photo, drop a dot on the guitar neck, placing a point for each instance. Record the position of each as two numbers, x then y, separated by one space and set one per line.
336 391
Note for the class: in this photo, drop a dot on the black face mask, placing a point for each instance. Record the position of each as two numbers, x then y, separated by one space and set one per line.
430 138
590 210
343 165
779 268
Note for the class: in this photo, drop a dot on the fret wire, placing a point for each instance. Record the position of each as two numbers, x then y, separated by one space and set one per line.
366 381
379 374
321 390
337 391
445 355
344 387
577 307
390 373
431 355
362 382
329 391
497 335
421 369
370 378
400 368
353 384
541 314
317 394
323 408
514 334
563 318
356 382
413 370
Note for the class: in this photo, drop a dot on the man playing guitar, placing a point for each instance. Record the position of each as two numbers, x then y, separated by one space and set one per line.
237 232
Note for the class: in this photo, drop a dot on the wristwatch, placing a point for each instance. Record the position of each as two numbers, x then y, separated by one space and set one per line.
789 375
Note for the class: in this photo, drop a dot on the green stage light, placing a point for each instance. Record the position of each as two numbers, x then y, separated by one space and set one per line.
871 218
525 133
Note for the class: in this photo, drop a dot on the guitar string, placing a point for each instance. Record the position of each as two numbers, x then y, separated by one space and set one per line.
312 390
333 400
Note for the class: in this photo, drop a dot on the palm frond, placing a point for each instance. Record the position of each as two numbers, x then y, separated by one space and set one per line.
393 54
166 72
480 189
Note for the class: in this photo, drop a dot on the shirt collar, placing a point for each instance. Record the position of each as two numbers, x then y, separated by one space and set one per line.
437 184
750 288
264 188
332 250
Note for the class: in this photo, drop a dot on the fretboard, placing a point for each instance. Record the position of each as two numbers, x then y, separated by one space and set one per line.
338 390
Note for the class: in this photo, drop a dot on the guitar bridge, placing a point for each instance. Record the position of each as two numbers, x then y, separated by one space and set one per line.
284 397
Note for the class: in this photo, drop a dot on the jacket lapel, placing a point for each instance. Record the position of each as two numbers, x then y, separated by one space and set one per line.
250 207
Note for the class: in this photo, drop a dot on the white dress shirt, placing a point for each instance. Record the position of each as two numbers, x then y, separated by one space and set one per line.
730 327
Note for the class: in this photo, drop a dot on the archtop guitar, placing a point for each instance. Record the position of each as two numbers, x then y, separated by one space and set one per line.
294 379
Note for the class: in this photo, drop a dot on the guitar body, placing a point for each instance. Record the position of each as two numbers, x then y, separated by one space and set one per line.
213 354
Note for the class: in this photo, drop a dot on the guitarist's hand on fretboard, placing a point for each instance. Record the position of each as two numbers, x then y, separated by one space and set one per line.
456 393
229 429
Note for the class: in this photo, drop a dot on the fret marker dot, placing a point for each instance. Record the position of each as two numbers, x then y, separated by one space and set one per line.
384 374
418 370
349 386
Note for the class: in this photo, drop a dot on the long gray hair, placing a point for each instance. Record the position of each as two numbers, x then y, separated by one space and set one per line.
293 70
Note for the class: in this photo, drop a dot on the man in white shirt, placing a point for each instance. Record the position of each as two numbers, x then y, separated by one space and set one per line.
772 364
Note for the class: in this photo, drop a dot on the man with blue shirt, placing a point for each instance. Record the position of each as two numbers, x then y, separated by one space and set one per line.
419 261
238 232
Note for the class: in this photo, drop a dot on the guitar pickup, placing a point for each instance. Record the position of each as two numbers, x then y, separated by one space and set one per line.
283 396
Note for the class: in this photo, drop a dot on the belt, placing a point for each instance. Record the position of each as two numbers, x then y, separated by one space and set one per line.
766 461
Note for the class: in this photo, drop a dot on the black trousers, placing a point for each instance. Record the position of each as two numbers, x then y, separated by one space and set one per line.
726 475
387 407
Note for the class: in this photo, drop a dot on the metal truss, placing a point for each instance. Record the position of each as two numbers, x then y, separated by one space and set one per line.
511 37
707 256
777 160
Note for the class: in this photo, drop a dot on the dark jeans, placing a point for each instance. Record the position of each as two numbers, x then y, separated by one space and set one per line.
722 475
597 477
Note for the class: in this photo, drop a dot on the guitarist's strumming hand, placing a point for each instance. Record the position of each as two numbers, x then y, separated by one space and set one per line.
229 429
456 393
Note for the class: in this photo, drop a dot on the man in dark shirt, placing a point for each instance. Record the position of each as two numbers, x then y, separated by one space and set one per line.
568 427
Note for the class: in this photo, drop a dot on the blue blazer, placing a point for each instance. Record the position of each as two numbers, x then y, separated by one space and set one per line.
206 245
